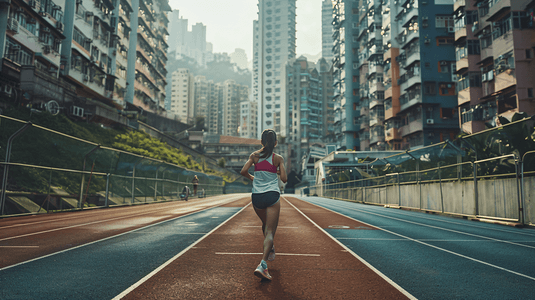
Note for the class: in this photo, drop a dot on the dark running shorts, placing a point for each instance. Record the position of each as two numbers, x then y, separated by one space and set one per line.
265 200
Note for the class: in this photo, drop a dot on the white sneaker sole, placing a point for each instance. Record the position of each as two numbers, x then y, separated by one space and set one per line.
261 275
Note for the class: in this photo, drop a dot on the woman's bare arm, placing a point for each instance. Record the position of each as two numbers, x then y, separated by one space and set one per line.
245 170
282 170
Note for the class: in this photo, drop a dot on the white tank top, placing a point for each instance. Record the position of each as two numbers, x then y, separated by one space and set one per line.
265 176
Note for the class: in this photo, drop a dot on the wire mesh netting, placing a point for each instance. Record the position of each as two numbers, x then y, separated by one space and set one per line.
44 170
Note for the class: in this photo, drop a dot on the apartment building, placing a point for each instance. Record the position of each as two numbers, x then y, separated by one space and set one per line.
370 41
495 44
182 104
248 119
69 54
326 91
231 95
346 83
327 29
31 33
426 112
146 65
204 94
273 45
305 114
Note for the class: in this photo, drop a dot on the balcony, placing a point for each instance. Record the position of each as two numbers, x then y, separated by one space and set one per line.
415 79
375 86
413 100
376 138
458 4
412 56
408 14
505 79
460 33
498 6
412 127
392 134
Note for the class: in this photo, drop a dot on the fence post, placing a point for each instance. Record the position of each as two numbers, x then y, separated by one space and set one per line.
399 191
519 192
80 202
440 184
8 158
156 187
475 189
107 189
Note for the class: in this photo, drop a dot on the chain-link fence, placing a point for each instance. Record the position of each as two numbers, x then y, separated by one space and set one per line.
45 170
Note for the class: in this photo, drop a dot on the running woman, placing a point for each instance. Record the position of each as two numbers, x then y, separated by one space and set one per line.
266 193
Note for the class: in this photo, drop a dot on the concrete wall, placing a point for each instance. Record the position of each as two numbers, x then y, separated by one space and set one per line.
497 198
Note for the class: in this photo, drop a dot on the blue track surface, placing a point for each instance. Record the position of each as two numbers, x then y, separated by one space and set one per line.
104 269
438 257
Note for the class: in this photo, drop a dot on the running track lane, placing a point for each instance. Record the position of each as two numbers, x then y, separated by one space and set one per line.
309 263
104 268
437 257
29 237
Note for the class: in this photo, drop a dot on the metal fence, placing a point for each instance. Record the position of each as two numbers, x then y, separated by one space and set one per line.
501 188
46 171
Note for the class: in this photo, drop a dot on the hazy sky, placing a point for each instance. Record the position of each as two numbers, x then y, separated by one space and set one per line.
229 23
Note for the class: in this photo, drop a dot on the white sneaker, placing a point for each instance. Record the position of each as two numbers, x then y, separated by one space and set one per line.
262 271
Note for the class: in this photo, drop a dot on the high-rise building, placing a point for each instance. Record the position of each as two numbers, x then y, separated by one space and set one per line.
185 43
182 105
326 92
424 36
88 52
371 93
395 74
146 66
305 114
346 73
327 29
248 119
239 57
231 96
204 94
31 34
273 46
494 44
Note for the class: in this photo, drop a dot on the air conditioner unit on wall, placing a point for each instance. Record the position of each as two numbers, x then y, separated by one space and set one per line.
430 121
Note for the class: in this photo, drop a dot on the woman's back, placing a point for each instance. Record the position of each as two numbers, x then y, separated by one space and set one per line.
265 176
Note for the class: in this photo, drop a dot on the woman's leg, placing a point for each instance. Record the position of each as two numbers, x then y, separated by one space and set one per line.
272 220
261 213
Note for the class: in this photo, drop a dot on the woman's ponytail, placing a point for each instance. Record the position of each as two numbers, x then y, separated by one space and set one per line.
269 138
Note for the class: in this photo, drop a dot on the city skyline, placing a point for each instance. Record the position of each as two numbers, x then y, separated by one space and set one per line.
215 16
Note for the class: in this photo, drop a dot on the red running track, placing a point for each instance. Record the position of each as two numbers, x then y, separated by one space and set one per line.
309 264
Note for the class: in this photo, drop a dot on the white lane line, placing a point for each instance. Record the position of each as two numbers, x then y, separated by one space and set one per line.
434 227
432 246
424 240
19 246
104 239
278 227
199 206
390 281
417 216
424 216
283 254
142 280
126 207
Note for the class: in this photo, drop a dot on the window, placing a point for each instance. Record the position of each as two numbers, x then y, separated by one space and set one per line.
444 22
430 88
